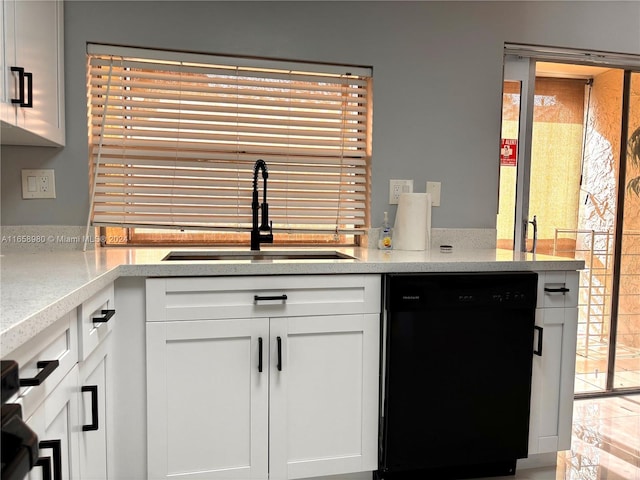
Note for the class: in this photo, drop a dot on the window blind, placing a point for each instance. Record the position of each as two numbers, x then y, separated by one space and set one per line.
174 138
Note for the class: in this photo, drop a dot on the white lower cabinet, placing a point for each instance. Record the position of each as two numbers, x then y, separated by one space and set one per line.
65 402
264 396
207 401
92 426
324 395
55 421
553 371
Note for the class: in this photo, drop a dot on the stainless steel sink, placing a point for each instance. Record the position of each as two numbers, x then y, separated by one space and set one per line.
222 255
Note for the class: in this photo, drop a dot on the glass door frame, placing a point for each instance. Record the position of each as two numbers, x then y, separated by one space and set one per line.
520 65
522 70
618 238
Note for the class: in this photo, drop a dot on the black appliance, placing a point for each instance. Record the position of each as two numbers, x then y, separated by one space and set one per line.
19 444
457 374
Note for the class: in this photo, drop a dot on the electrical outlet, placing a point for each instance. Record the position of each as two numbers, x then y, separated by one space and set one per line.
434 189
396 187
38 184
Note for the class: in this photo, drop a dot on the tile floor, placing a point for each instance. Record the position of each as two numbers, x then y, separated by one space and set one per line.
605 443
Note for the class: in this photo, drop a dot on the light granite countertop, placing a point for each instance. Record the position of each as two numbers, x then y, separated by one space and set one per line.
38 288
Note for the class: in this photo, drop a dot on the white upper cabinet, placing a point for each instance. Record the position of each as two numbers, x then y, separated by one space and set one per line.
32 80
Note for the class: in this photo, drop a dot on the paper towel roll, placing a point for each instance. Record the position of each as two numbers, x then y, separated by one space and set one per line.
412 229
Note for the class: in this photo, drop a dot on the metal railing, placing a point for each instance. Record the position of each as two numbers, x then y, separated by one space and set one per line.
594 304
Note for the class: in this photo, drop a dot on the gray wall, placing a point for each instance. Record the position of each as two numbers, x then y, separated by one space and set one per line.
437 82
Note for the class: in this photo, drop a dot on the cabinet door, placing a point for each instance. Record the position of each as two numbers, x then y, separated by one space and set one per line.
207 415
324 397
7 60
55 421
38 51
552 382
92 451
33 40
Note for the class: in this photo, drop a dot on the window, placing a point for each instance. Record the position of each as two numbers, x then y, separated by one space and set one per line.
174 138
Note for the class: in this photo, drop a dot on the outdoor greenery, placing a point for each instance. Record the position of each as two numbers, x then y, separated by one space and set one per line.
633 152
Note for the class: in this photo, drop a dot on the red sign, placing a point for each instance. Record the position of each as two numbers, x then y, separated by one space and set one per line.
508 152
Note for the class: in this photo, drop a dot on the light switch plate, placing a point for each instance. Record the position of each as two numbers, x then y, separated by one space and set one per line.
38 184
434 189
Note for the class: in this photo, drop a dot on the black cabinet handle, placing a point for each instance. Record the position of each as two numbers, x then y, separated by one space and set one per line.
538 350
29 102
47 366
279 365
93 389
56 446
107 314
260 354
20 99
561 290
22 76
258 298
45 463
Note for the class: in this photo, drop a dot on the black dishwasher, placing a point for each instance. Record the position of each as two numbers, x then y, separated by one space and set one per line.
457 374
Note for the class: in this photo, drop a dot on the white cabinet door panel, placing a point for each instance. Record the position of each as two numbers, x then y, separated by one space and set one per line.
92 450
552 382
57 420
37 25
207 401
324 399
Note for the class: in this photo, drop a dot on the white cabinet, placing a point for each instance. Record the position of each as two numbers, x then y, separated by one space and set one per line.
262 377
207 400
324 396
46 359
65 403
32 66
96 318
554 370
55 422
93 389
48 362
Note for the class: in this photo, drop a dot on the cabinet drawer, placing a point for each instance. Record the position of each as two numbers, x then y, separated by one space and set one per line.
57 342
552 286
202 298
95 318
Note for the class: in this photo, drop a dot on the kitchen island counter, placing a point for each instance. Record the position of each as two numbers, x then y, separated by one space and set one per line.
37 288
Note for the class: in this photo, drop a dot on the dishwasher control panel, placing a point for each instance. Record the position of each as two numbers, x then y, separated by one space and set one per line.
461 290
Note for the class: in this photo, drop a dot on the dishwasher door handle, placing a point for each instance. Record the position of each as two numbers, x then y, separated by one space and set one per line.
538 350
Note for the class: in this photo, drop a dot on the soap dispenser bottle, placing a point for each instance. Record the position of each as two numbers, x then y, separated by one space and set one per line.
385 242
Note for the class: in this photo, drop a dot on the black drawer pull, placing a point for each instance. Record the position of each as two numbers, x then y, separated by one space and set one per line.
279 365
20 99
538 351
56 446
107 316
47 366
260 354
93 389
45 463
258 298
561 290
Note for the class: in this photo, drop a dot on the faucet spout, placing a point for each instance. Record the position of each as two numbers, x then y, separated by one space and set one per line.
265 225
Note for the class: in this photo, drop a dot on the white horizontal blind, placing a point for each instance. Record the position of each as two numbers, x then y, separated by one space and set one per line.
173 143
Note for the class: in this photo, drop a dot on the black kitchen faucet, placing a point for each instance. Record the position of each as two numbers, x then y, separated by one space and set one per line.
257 237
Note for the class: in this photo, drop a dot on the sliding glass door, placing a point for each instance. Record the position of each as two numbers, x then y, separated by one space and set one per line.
570 155
625 332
